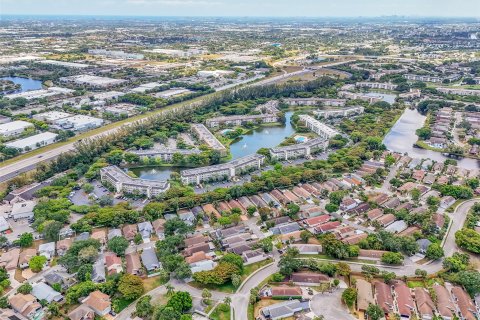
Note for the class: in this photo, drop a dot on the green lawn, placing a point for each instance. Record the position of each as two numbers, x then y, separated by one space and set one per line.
415 284
119 304
217 314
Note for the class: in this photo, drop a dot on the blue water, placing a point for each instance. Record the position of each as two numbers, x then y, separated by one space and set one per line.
27 83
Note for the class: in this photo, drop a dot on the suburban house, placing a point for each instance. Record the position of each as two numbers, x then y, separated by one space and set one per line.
145 229
129 231
113 263
99 302
364 295
150 260
47 250
26 305
42 291
308 278
134 266
25 257
284 309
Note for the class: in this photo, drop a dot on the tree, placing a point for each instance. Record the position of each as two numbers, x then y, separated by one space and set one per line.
392 258
288 263
88 254
434 251
233 259
206 294
343 269
468 239
52 230
84 272
25 288
457 262
349 296
236 280
118 245
170 289
227 300
421 273
130 286
180 300
54 309
470 279
26 240
388 276
305 235
277 277
374 312
36 263
144 308
370 271
87 187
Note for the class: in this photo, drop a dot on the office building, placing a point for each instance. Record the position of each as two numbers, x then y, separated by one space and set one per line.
92 81
79 122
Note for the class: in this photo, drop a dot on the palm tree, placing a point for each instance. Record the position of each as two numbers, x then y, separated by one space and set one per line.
227 300
170 289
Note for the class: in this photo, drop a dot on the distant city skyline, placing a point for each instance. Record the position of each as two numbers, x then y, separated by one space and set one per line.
253 8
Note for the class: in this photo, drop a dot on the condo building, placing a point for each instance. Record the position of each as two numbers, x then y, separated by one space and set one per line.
358 96
376 85
424 78
165 154
318 127
315 102
241 119
460 92
204 135
122 182
299 150
338 113
223 171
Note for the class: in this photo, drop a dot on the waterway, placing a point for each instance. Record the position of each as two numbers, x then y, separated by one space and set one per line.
402 137
26 83
262 137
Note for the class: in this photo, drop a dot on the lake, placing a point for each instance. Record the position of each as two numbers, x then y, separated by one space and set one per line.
27 83
263 137
402 137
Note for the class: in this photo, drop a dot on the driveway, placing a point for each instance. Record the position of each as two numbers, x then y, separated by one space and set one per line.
329 306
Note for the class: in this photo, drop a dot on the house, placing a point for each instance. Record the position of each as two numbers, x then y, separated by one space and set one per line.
112 233
423 245
291 237
465 306
302 193
47 250
355 238
98 272
284 309
418 175
43 291
308 248
386 219
326 227
195 240
439 220
347 204
429 178
383 296
129 231
199 261
209 209
22 210
403 297
100 235
371 254
158 228
381 198
409 231
285 228
315 221
392 203
364 294
26 305
286 291
145 229
25 257
446 202
150 260
253 256
9 259
205 247
113 263
99 302
374 214
397 226
425 306
187 216
82 312
63 246
134 266
57 277
446 308
83 236
309 278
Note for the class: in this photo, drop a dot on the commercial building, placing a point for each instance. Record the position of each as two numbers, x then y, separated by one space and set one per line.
72 65
14 128
299 150
318 127
122 182
92 81
165 154
204 135
146 87
214 73
241 119
33 142
338 113
79 122
376 85
178 53
223 171
171 93
51 116
22 210
41 93
315 102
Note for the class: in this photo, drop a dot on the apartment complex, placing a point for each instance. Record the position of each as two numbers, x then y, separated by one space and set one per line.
315 102
223 171
318 127
376 85
299 150
122 182
338 113
358 96
204 135
241 119
165 154
460 92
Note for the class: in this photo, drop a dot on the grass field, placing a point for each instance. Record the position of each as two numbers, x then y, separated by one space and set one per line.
217 314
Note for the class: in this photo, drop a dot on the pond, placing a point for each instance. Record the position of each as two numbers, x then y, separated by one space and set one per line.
402 137
263 137
26 83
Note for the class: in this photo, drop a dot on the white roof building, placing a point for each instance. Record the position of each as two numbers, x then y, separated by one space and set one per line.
79 122
93 81
41 93
33 142
65 64
4 225
22 210
14 128
51 116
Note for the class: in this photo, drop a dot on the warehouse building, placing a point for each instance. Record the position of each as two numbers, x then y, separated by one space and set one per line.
33 142
14 128
51 116
79 122
93 81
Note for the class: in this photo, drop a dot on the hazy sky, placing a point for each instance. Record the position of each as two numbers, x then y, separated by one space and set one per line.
319 8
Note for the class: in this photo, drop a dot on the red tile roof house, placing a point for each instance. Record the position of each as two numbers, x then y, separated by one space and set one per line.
347 204
465 305
407 187
383 296
277 194
134 266
355 239
195 240
308 278
326 227
403 299
98 302
439 220
425 306
291 196
311 189
223 207
371 254
418 175
315 221
285 291
445 305
386 219
113 263
300 192
129 231
343 231
381 198
235 204
374 214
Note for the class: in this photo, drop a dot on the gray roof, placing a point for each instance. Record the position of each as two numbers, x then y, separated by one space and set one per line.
82 236
112 233
286 228
98 272
284 309
423 244
42 291
149 259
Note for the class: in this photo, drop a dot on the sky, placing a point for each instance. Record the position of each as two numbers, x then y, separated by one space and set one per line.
263 8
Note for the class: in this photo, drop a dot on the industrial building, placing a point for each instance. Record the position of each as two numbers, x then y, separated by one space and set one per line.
92 81
51 116
79 122
72 65
318 127
41 93
222 171
122 182
33 142
14 128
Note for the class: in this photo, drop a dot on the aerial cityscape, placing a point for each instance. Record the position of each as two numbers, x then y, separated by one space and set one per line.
239 160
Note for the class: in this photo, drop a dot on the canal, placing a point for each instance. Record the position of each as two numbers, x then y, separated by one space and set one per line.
402 137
